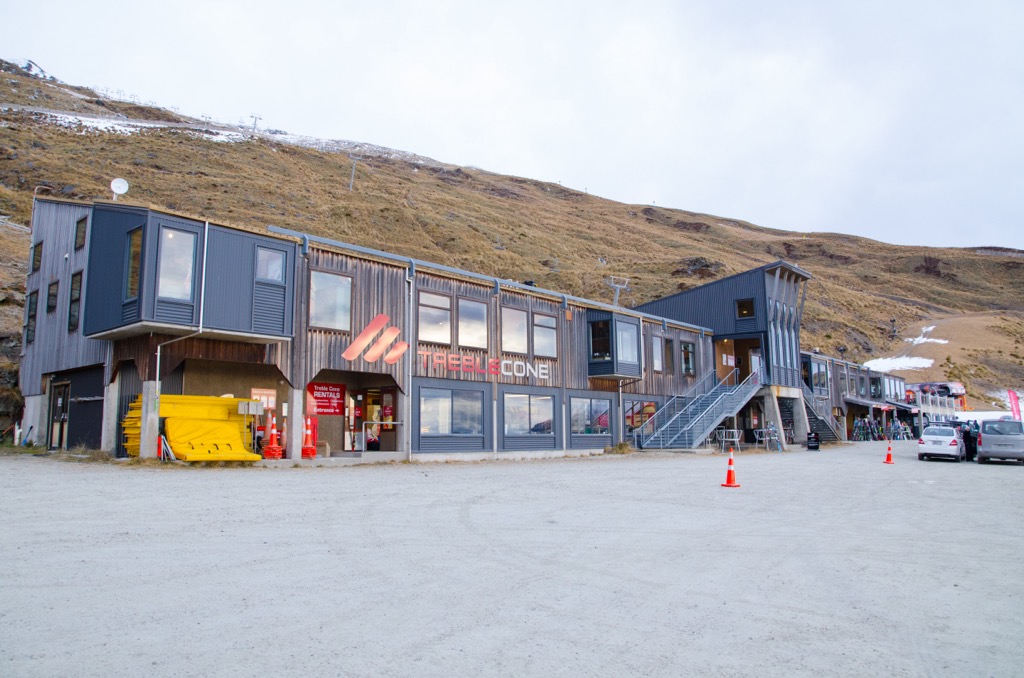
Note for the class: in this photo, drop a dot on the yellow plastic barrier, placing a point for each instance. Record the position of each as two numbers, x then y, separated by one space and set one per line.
198 428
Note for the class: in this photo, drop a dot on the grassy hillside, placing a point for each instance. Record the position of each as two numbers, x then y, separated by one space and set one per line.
505 226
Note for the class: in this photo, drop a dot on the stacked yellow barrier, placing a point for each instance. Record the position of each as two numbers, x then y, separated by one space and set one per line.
198 428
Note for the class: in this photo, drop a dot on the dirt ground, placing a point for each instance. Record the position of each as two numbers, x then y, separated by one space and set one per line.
821 563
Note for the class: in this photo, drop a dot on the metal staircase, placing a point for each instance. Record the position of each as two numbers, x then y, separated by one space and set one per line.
686 420
819 417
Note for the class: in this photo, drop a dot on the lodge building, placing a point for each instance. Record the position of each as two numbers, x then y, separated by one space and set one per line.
389 357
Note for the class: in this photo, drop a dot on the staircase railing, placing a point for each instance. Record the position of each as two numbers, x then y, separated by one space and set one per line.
672 408
819 405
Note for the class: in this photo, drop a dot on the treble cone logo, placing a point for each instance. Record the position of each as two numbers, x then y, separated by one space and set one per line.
380 346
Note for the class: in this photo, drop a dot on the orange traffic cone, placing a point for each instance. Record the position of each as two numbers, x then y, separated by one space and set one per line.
730 475
308 449
888 456
272 450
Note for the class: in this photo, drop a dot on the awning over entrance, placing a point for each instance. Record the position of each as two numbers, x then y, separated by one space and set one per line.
901 406
864 402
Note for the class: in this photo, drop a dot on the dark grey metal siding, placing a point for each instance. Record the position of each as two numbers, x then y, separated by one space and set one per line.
714 305
104 302
55 349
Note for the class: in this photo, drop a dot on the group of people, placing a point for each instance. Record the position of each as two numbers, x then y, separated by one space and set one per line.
969 432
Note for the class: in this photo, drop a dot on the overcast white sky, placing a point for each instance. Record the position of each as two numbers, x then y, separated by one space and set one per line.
897 120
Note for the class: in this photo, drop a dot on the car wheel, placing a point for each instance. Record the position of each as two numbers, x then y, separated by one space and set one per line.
958 458
981 459
920 457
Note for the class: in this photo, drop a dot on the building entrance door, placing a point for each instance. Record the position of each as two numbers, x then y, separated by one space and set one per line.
59 402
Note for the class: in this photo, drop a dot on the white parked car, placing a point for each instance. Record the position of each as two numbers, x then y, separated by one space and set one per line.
941 441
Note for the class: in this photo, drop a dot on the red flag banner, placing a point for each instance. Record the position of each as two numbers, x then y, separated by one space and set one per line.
1014 404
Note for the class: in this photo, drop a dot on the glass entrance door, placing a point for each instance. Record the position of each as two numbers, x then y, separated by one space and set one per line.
59 415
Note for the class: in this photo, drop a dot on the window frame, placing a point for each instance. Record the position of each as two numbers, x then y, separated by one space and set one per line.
75 303
486 322
465 395
506 328
420 305
284 265
552 329
81 227
657 353
170 231
688 357
530 424
573 400
602 357
350 285
745 303
52 296
133 266
31 309
36 257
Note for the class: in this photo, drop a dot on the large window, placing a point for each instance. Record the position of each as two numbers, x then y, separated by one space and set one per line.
177 262
131 279
444 412
688 363
745 308
51 297
545 336
638 413
270 265
37 256
30 317
529 414
80 232
514 336
601 340
75 304
590 415
627 342
435 318
330 301
472 323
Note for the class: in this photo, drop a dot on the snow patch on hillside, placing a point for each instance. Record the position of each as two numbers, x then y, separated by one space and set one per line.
923 338
900 363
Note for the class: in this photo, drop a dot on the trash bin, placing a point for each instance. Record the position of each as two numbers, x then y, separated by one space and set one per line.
813 440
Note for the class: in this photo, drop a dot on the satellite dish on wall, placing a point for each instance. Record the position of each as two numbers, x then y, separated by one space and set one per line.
119 187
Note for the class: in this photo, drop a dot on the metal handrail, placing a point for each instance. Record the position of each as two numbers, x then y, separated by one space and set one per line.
718 406
820 408
671 405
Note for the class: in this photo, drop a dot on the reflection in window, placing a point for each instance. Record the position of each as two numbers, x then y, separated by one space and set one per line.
330 301
37 256
80 232
51 297
269 265
601 340
30 317
688 358
472 323
177 260
657 354
545 337
590 415
528 414
627 342
435 318
75 304
514 337
638 413
131 286
444 412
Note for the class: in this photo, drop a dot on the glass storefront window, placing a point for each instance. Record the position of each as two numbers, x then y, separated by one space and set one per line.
590 415
445 412
528 414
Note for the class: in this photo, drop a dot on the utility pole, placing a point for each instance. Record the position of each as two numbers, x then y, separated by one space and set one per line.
352 179
255 118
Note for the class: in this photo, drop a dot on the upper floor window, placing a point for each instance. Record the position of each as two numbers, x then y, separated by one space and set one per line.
30 317
80 232
270 265
37 256
658 354
51 297
745 308
627 342
545 336
601 340
514 337
689 358
75 303
435 318
330 301
177 262
472 323
134 264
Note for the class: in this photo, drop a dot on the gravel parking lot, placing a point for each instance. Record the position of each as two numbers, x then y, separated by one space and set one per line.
824 562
